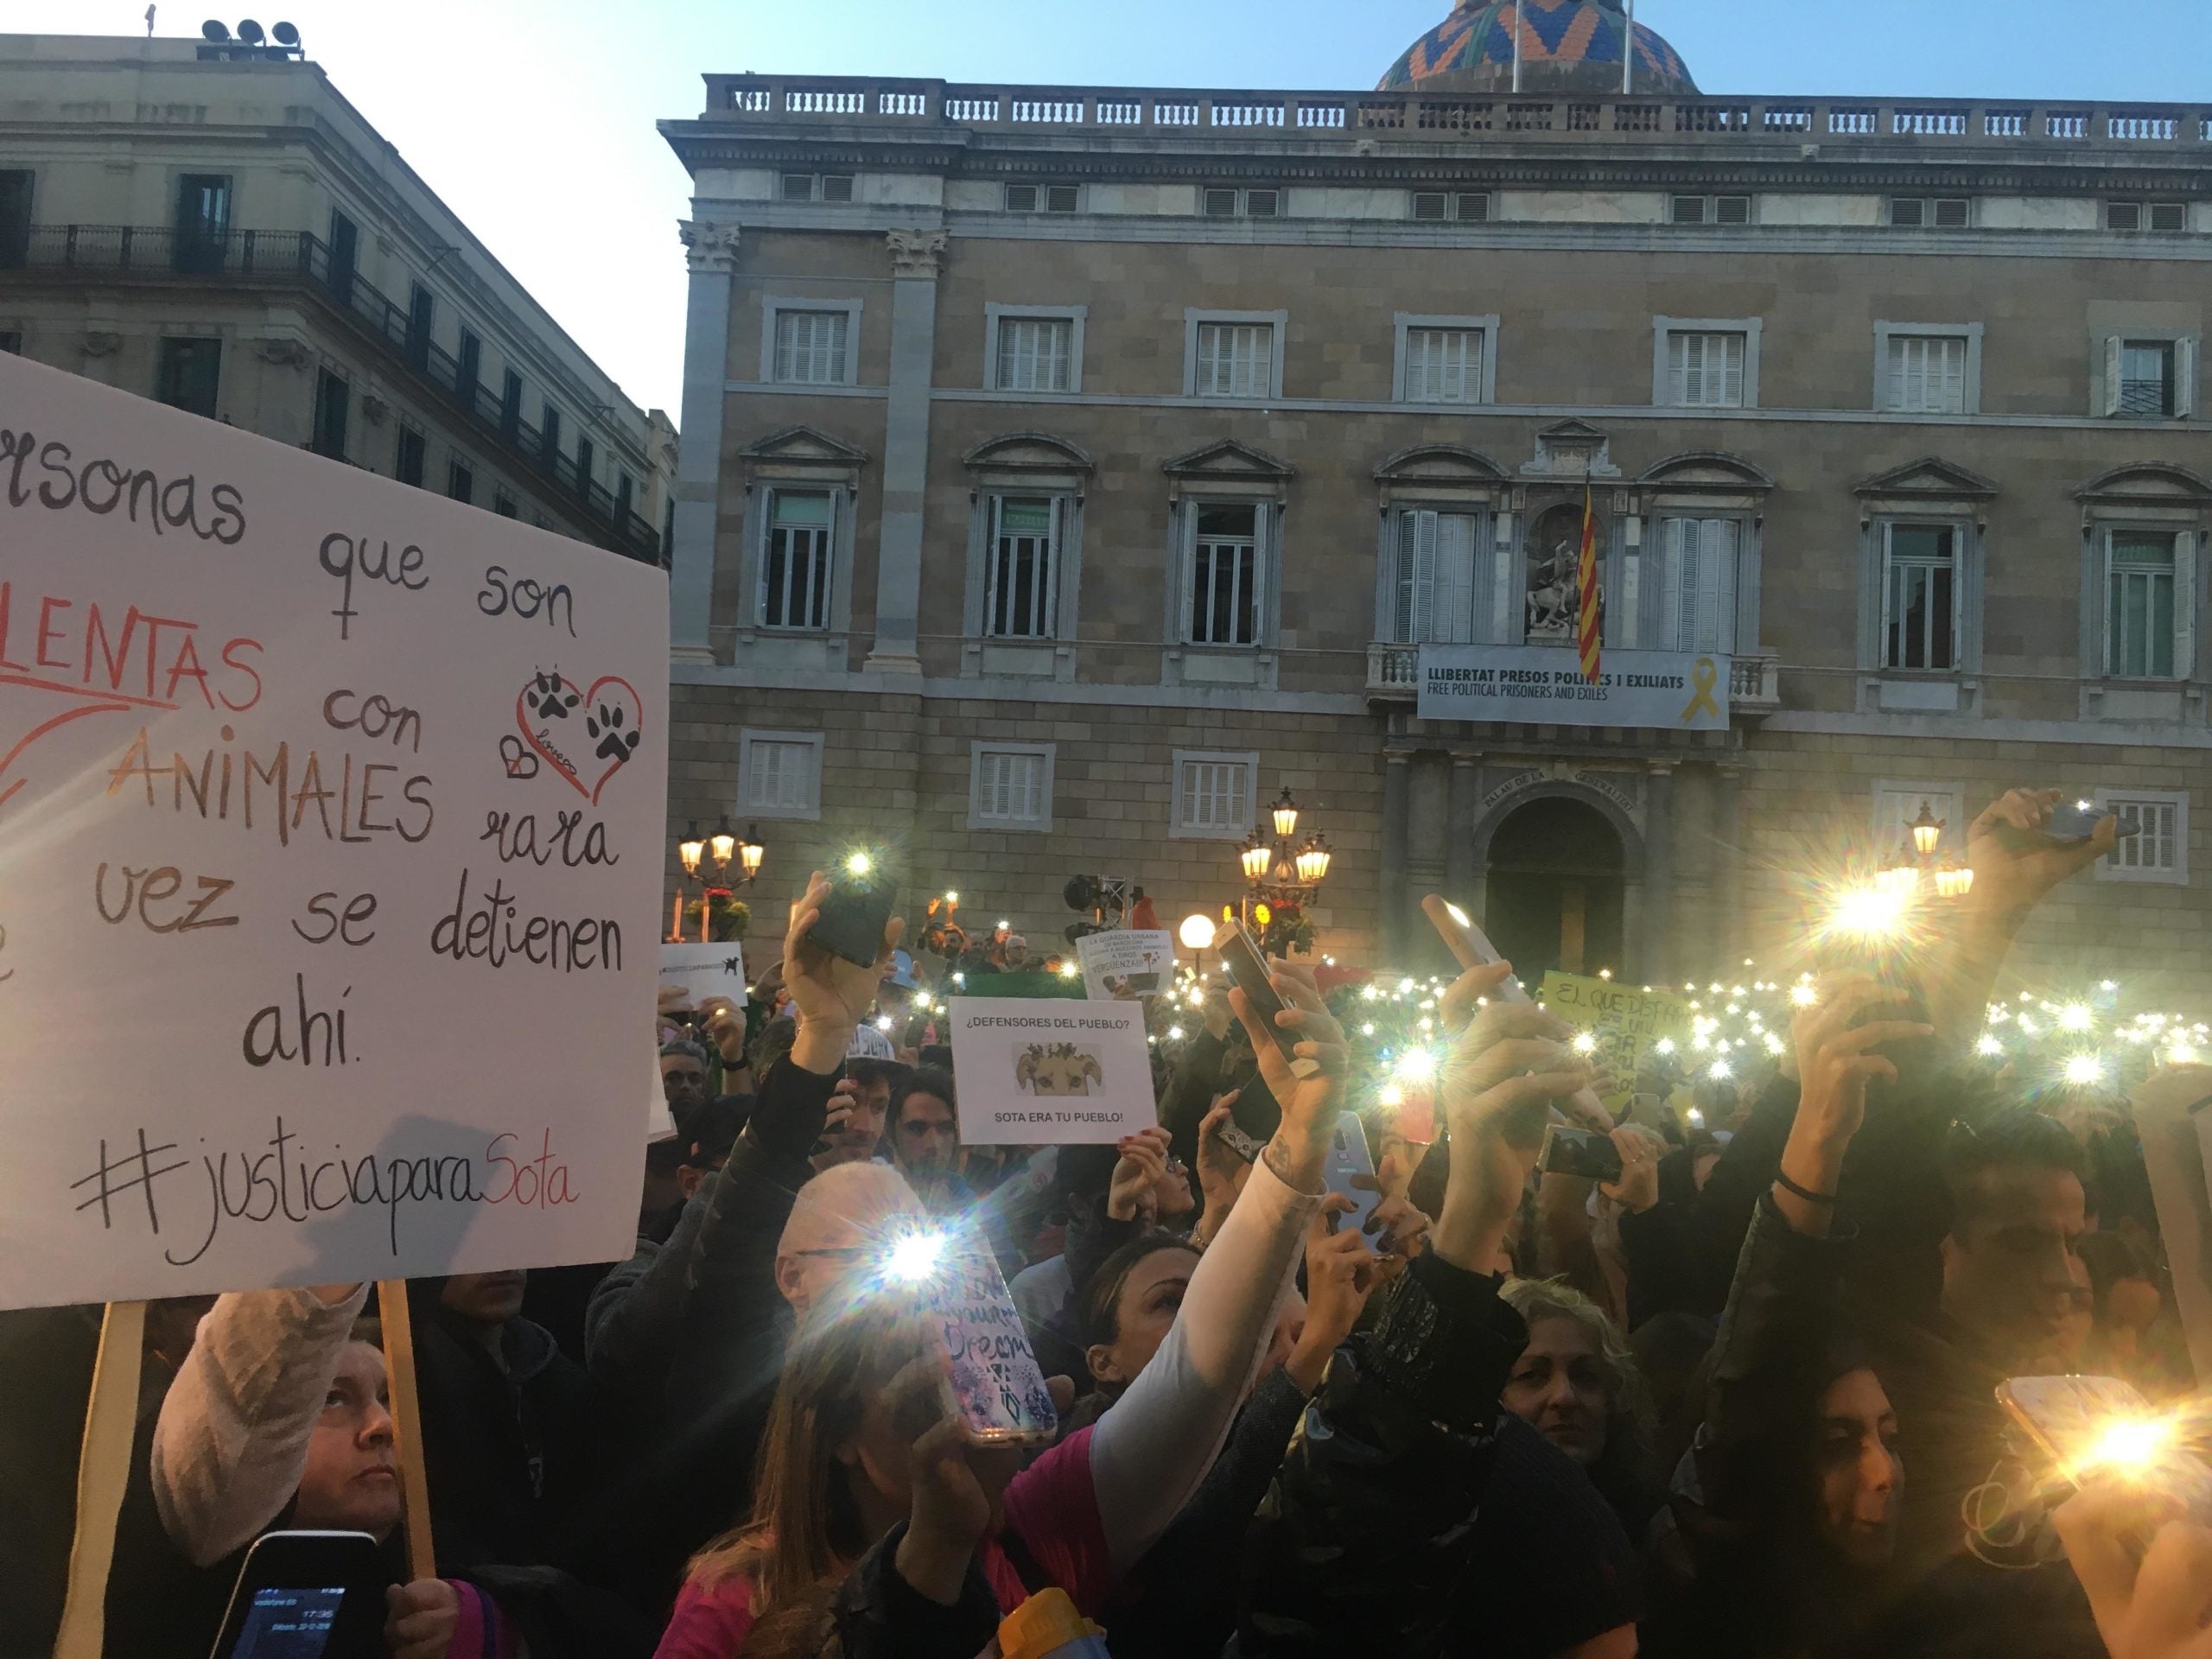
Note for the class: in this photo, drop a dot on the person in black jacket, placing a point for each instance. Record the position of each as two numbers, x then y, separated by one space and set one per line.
1407 1518
1796 1462
736 1318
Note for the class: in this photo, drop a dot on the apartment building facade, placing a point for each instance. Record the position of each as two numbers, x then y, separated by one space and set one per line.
1073 467
214 226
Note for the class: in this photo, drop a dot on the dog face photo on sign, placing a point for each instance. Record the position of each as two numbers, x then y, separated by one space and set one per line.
1057 1069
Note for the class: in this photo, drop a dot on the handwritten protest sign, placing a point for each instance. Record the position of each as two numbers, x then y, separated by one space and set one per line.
1033 1073
332 818
1626 1021
1127 962
705 970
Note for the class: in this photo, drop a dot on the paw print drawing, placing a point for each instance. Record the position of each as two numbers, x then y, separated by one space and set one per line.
605 724
551 696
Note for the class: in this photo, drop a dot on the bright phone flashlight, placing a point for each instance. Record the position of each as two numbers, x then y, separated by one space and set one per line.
1457 914
914 1259
859 864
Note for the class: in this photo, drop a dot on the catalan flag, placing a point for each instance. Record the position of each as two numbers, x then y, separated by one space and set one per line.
1586 586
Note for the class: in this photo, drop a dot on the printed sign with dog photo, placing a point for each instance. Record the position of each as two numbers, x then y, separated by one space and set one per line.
1126 962
1033 1073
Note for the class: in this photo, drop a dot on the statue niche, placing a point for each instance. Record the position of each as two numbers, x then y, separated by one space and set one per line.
1553 590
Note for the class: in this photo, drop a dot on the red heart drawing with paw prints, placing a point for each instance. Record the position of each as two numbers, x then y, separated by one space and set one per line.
582 734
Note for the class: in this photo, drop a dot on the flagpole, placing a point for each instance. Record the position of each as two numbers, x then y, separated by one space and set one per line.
1628 51
1517 45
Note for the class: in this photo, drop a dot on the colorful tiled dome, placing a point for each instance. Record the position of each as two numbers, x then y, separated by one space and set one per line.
1566 46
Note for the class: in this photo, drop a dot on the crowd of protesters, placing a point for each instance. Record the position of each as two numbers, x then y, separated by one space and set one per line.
1740 1400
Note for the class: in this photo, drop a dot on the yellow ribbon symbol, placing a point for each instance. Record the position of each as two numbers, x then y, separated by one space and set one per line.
1703 679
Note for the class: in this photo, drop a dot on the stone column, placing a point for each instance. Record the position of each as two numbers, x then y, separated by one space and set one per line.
915 256
1728 871
1396 809
1460 870
1660 954
711 252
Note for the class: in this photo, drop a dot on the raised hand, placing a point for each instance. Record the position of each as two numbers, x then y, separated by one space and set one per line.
1637 1190
1309 1103
1143 1163
2009 879
830 993
1341 1274
1836 1059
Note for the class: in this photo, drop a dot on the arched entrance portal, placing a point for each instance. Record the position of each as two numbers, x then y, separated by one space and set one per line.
1555 889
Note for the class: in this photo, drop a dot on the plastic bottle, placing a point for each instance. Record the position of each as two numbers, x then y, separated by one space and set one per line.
1047 1626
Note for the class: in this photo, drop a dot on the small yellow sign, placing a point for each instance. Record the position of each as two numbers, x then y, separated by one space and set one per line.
1626 1021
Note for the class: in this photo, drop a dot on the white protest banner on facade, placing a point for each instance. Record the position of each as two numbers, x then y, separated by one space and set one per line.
1127 962
332 812
1040 1070
1668 690
704 970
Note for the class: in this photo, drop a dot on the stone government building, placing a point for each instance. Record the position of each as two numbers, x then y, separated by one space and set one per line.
1069 468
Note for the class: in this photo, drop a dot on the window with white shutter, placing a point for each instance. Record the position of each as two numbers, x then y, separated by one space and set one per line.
1705 370
779 774
2159 850
1697 600
1434 578
1928 374
1021 566
1036 354
1011 786
1236 359
811 347
1213 794
1444 365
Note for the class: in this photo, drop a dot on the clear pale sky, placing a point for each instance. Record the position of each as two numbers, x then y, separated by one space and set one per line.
534 118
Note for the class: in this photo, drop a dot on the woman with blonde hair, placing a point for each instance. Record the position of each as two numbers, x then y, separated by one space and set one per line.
858 1440
1577 1383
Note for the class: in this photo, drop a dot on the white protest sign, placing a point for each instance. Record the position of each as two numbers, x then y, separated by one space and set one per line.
1126 961
704 970
1038 1070
332 812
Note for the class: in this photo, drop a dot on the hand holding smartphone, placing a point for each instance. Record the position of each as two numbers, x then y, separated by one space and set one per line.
1248 972
1584 1153
863 895
992 1382
1348 1157
1467 942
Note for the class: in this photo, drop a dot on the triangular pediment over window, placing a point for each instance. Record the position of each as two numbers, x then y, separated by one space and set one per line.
1705 469
1930 477
802 445
2148 480
1229 460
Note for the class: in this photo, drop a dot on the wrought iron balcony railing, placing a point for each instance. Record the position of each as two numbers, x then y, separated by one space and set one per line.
166 253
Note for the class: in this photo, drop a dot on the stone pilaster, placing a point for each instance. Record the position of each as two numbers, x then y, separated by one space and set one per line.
710 251
915 257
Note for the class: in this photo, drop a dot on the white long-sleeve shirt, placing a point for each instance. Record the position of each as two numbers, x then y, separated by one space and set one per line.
231 1442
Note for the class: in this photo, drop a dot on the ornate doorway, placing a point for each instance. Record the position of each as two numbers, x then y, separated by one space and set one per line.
1555 889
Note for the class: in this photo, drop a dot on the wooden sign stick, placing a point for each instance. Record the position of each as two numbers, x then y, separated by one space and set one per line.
407 1420
103 1471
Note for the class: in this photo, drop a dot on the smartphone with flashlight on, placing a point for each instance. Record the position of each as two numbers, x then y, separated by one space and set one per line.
2093 1427
2068 825
1467 942
863 892
992 1378
1248 972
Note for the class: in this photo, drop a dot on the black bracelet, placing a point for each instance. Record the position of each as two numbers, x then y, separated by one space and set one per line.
1804 1192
